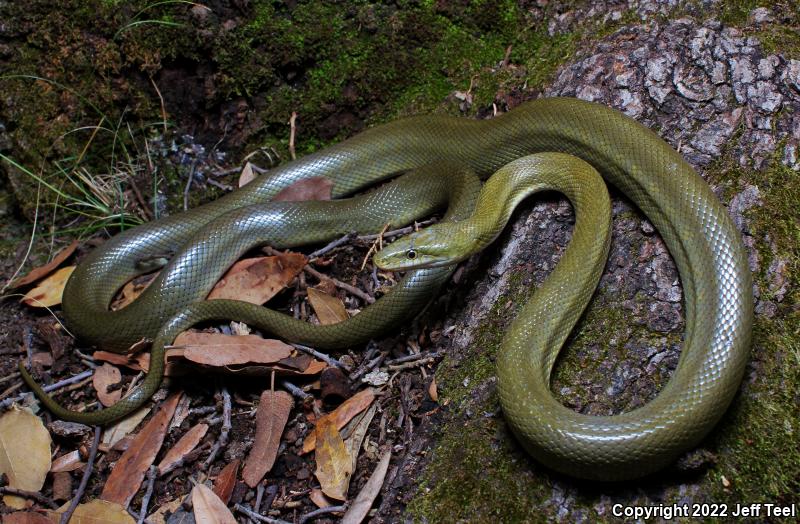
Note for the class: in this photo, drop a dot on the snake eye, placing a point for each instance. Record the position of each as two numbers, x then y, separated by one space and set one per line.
411 254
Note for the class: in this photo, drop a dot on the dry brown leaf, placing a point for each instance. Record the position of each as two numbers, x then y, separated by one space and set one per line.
342 415
226 481
271 417
132 290
433 391
183 447
26 517
104 377
319 498
247 175
329 309
356 438
62 485
256 280
127 475
67 462
208 508
41 271
333 461
314 188
360 507
120 430
24 453
216 349
96 512
48 292
141 361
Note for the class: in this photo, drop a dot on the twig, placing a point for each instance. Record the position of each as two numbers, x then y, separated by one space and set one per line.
341 285
11 389
421 362
294 390
255 516
38 497
188 186
322 356
336 243
292 132
259 498
322 511
224 187
370 365
395 232
152 473
87 472
27 341
10 376
52 387
222 441
409 358
140 199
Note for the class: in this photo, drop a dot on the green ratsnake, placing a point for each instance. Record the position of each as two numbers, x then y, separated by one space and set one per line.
694 225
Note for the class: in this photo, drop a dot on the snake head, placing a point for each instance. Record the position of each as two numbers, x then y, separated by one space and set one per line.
422 249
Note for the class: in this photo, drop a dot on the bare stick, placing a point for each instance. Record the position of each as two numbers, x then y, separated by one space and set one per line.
336 243
341 285
38 497
410 358
294 390
395 232
52 387
322 356
255 516
322 511
152 473
222 441
292 132
87 472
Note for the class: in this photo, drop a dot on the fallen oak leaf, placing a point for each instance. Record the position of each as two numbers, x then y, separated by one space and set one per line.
329 309
141 361
46 269
104 377
49 291
126 477
132 290
226 481
121 429
24 453
333 461
342 415
313 188
319 498
256 280
271 417
183 447
216 349
208 508
316 367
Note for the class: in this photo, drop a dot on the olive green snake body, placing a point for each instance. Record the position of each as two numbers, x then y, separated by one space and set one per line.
694 225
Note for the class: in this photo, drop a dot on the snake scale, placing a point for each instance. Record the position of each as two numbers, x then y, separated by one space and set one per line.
694 225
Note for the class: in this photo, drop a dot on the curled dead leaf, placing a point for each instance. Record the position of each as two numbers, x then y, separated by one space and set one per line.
256 280
313 188
48 292
46 269
342 415
104 377
329 309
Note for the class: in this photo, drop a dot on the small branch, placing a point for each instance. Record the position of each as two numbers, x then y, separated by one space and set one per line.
336 243
33 495
322 511
294 390
410 358
87 472
341 285
188 186
292 132
152 473
222 441
255 516
52 387
322 356
421 362
395 232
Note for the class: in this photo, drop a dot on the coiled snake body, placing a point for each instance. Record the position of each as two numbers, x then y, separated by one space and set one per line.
695 226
